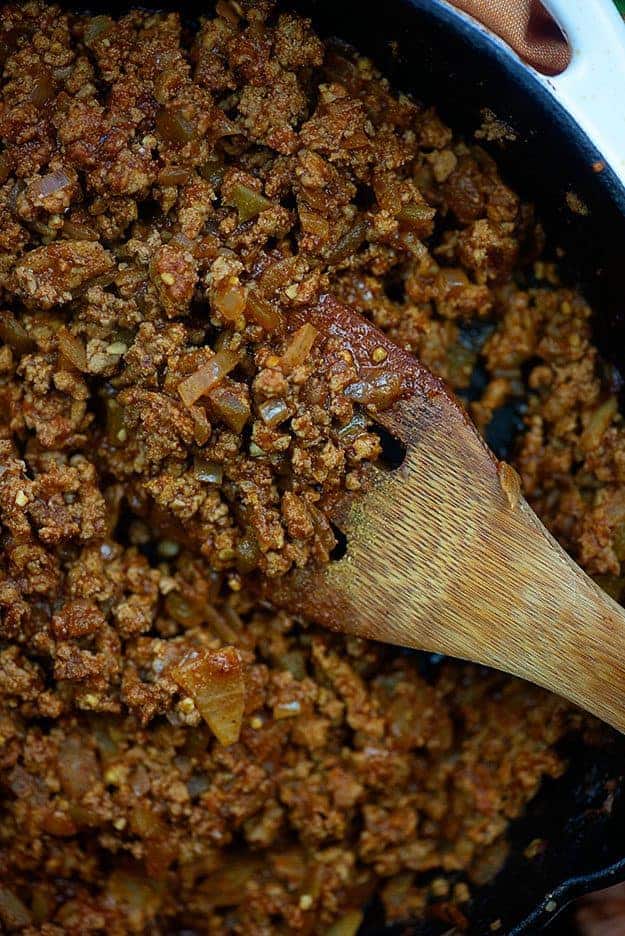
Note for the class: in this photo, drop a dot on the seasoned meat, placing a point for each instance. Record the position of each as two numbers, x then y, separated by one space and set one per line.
176 755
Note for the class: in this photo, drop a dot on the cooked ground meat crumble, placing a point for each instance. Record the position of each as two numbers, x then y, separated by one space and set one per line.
175 755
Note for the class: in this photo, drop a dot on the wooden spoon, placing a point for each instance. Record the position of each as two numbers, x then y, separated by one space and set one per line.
443 554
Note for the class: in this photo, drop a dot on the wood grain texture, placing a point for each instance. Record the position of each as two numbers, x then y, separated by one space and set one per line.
445 555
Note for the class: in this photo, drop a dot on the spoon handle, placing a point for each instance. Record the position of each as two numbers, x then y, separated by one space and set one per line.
472 571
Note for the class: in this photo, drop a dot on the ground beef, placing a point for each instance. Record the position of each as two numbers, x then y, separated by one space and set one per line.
176 755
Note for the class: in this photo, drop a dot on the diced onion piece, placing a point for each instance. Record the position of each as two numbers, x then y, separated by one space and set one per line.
248 554
294 662
207 471
380 389
280 274
416 216
262 312
229 298
13 913
598 423
115 424
96 27
248 202
77 768
181 610
42 89
201 425
214 680
353 428
174 127
49 184
198 784
14 334
213 171
347 925
226 886
207 376
273 412
348 244
137 894
298 347
229 406
287 709
74 231
108 747
226 10
146 823
221 627
173 176
72 349
451 278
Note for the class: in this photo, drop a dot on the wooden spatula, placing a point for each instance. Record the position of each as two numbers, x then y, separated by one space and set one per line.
443 554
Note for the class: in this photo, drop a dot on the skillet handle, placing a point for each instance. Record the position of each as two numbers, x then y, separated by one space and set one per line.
592 89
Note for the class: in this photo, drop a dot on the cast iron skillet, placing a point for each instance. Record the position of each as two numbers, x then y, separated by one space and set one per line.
424 47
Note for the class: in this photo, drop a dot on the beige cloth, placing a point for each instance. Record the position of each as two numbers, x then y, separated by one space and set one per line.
527 27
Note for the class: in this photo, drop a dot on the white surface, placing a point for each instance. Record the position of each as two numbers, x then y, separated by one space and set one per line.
592 89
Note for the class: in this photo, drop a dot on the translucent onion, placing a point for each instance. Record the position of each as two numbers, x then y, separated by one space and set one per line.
229 298
273 412
229 406
49 184
13 913
380 390
77 768
248 554
174 127
136 893
287 709
42 89
146 823
298 348
14 334
214 680
213 171
248 202
347 925
181 610
173 176
598 423
208 472
451 278
115 423
226 886
72 349
207 376
201 425
352 429
96 27
417 216
348 244
262 312
75 231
